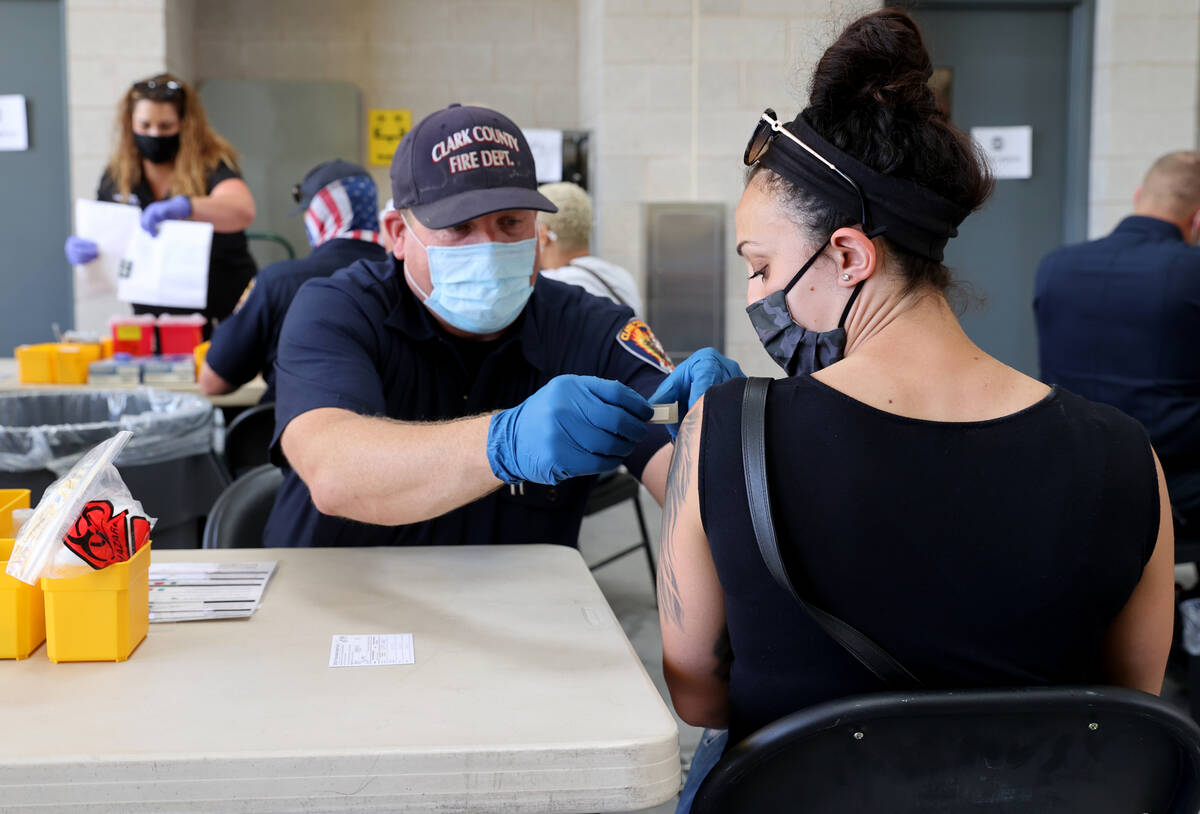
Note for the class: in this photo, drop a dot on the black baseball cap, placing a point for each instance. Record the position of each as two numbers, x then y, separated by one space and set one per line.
463 162
318 178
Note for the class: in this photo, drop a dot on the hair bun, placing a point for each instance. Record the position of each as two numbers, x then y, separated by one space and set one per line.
880 57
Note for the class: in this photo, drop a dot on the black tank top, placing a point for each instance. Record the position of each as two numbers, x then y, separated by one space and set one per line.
985 553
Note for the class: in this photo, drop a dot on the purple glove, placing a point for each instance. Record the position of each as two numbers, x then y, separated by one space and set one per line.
80 250
177 208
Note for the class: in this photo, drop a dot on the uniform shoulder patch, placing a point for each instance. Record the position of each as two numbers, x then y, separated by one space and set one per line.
245 293
637 338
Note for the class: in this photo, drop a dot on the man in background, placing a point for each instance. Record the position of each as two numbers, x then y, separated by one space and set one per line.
1118 322
339 203
564 250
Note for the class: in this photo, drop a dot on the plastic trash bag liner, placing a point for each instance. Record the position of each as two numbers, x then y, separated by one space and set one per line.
1189 612
50 430
85 521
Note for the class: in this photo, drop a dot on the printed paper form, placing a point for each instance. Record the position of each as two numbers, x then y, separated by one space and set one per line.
169 270
110 226
371 651
184 592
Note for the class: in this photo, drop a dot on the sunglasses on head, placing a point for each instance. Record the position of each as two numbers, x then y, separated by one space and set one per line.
770 128
159 90
296 193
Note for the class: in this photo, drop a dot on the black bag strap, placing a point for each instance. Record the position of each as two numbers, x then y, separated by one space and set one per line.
754 461
620 300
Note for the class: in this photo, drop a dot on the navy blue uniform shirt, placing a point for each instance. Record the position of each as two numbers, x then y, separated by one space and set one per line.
1119 322
246 343
362 341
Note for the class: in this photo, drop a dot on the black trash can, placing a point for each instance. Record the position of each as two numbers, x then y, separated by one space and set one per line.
169 464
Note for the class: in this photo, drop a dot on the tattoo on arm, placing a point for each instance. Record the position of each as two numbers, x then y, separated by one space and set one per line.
679 479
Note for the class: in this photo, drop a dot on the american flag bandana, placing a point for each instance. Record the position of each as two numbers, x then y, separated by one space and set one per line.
344 208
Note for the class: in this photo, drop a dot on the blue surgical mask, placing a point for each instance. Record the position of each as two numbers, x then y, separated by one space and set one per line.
480 288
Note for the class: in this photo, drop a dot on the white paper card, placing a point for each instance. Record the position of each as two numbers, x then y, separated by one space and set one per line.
171 269
110 226
1009 149
546 146
14 127
371 651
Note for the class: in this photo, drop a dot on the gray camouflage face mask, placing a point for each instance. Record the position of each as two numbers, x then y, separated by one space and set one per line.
793 347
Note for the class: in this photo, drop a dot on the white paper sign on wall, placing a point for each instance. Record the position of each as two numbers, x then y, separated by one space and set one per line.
1008 149
546 146
14 129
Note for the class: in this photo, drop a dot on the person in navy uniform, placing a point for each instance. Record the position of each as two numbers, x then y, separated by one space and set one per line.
1117 322
339 203
446 395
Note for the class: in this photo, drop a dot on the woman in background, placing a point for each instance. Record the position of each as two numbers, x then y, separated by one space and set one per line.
169 162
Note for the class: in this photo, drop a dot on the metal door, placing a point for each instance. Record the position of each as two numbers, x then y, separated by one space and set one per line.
35 204
1012 64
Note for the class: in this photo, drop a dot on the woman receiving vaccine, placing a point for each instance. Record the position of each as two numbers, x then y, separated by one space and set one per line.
981 528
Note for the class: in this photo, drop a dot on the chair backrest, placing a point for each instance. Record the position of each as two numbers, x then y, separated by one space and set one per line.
248 438
1033 751
238 517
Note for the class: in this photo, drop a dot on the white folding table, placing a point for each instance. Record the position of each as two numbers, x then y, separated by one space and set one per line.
525 696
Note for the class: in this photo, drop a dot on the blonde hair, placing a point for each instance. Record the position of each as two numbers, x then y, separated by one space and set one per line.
201 149
572 223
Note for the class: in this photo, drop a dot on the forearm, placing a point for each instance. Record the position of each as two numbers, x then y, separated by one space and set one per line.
387 472
225 213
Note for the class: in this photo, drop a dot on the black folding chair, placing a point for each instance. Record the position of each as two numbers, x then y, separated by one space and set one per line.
248 439
238 517
610 489
1083 750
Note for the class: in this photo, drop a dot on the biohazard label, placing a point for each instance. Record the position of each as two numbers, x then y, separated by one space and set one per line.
101 538
637 338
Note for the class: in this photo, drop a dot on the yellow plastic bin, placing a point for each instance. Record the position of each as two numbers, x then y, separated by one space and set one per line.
11 499
22 614
102 616
71 361
35 363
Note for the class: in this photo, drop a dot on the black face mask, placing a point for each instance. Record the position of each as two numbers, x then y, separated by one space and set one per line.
793 347
157 149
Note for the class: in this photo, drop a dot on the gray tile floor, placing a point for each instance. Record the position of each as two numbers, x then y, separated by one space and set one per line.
626 584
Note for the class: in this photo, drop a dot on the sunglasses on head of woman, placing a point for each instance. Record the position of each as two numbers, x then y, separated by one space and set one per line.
770 128
159 90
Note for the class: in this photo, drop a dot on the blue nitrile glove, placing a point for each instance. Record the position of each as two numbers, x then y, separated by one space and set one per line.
574 425
80 250
177 208
695 374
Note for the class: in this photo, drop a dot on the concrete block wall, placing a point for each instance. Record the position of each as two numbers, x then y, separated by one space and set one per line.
1144 97
110 44
518 56
680 86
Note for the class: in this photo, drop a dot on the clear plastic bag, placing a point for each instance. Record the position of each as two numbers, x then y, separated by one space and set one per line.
85 521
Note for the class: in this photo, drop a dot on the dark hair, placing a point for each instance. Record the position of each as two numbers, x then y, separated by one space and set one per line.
870 97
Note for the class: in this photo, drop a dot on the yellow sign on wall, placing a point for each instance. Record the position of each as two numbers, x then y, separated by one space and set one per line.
385 128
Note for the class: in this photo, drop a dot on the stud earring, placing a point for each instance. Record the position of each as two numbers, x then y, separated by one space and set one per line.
845 276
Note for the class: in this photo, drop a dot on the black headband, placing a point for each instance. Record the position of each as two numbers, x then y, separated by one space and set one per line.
906 213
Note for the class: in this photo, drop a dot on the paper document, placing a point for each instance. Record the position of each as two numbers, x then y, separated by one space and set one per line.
195 591
110 226
547 149
169 270
371 651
